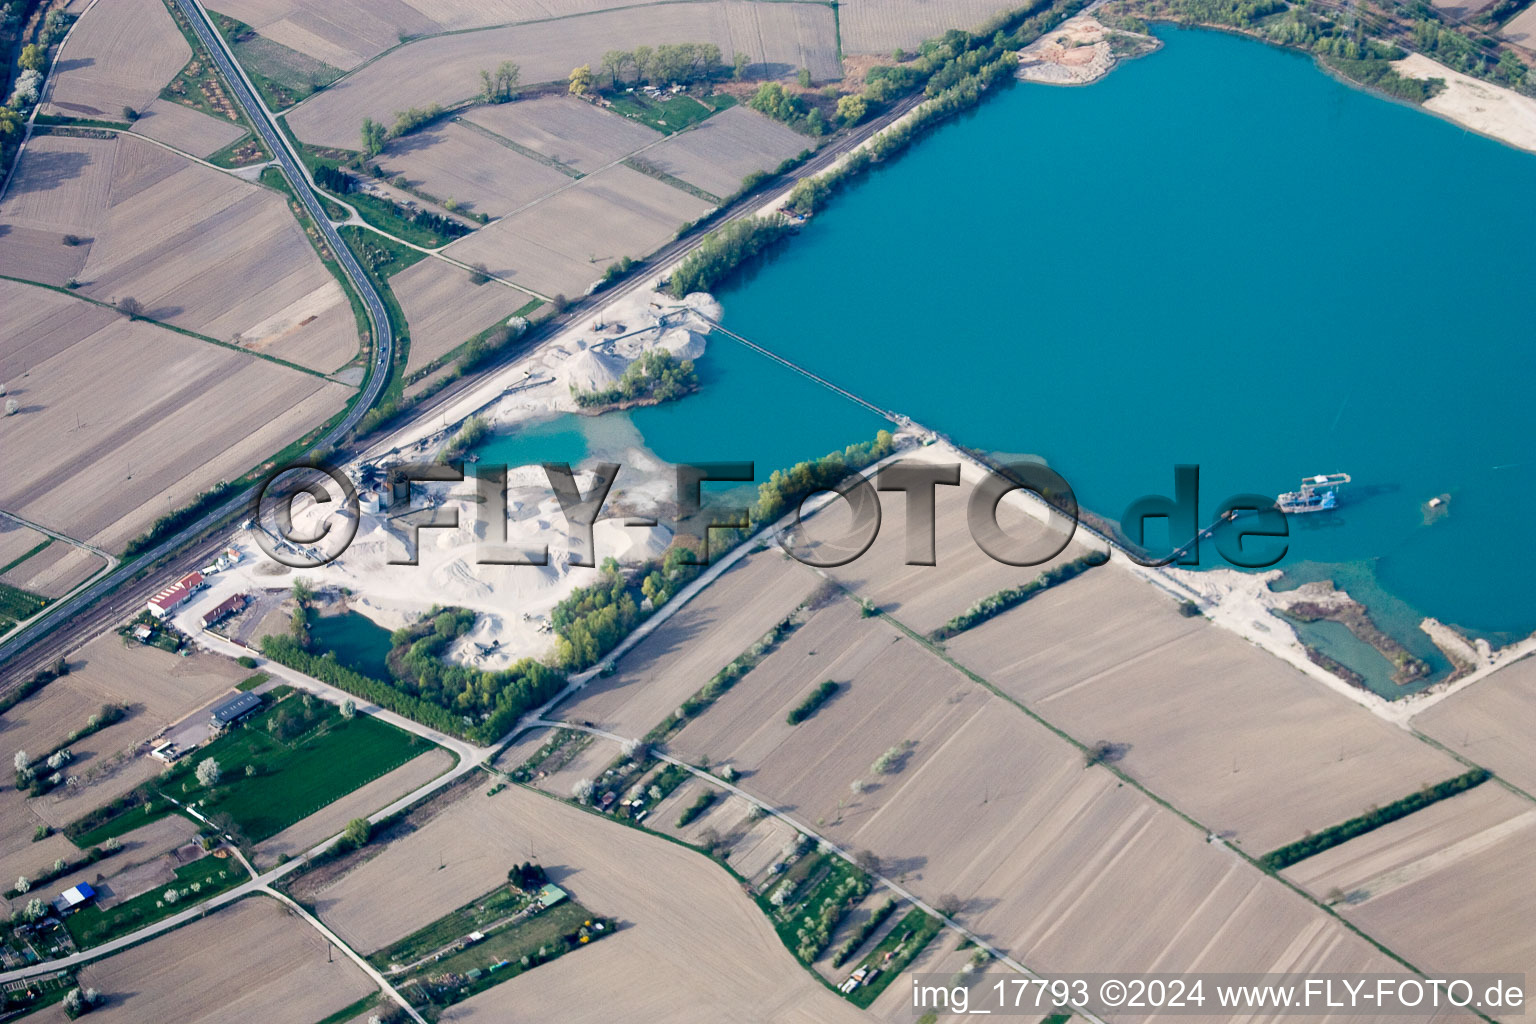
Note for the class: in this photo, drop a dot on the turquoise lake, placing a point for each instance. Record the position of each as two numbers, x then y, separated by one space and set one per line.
1216 255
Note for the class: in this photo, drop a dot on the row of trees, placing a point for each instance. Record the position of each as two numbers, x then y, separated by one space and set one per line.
723 250
667 63
375 135
444 698
657 376
1376 817
996 604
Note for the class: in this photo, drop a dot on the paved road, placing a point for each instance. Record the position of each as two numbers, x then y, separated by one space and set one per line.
71 608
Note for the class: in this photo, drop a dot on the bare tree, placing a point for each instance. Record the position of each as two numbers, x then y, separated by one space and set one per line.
868 861
949 904
131 306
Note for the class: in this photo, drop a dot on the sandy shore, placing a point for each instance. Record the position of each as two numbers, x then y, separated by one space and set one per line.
1481 106
1079 51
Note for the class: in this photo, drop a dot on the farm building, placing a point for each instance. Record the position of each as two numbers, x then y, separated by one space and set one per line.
175 595
73 898
225 609
234 709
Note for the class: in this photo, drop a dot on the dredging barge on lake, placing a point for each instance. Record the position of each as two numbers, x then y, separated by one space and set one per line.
1318 494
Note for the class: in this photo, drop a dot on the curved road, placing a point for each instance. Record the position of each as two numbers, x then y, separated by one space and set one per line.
384 347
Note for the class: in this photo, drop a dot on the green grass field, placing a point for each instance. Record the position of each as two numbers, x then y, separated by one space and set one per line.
295 774
91 926
296 777
672 114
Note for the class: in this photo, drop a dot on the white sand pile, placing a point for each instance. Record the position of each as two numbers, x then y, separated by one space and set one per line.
682 343
590 370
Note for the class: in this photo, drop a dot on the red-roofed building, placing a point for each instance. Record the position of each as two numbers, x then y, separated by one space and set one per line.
225 609
175 595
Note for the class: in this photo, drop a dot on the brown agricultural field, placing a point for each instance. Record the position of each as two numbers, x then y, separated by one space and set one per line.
19 855
924 597
1491 722
1404 851
670 665
993 807
446 69
717 154
196 247
562 244
880 26
61 187
359 803
342 33
190 415
119 54
56 570
692 947
190 131
144 863
1522 30
17 540
1449 888
1245 743
445 308
565 129
158 688
452 161
252 961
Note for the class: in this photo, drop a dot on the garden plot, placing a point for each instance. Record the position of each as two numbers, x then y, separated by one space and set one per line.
446 69
566 130
1240 740
188 130
55 571
1491 723
454 161
254 961
563 244
670 665
721 151
192 414
880 26
588 765
445 308
692 947
120 54
924 597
